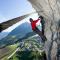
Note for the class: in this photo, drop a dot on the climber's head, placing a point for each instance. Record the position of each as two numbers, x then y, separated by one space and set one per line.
31 19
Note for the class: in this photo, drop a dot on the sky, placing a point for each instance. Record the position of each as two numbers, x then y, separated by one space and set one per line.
10 9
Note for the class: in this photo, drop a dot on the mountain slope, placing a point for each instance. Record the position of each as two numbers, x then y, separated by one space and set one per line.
20 32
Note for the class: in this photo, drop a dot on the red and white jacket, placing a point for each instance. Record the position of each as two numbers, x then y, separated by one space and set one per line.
35 23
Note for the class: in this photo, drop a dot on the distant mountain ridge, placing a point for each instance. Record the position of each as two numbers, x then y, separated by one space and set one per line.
19 33
3 34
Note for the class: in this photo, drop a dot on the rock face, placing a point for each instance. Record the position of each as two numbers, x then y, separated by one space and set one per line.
50 10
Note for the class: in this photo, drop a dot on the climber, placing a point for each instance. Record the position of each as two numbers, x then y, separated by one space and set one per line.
37 27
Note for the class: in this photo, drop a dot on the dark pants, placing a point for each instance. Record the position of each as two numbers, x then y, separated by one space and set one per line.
40 33
43 27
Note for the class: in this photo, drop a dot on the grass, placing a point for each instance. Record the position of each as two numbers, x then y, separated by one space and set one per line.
11 49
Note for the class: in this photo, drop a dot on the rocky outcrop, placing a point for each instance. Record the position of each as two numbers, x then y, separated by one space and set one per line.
50 10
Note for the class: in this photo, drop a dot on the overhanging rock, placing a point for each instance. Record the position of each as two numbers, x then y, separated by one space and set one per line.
50 10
